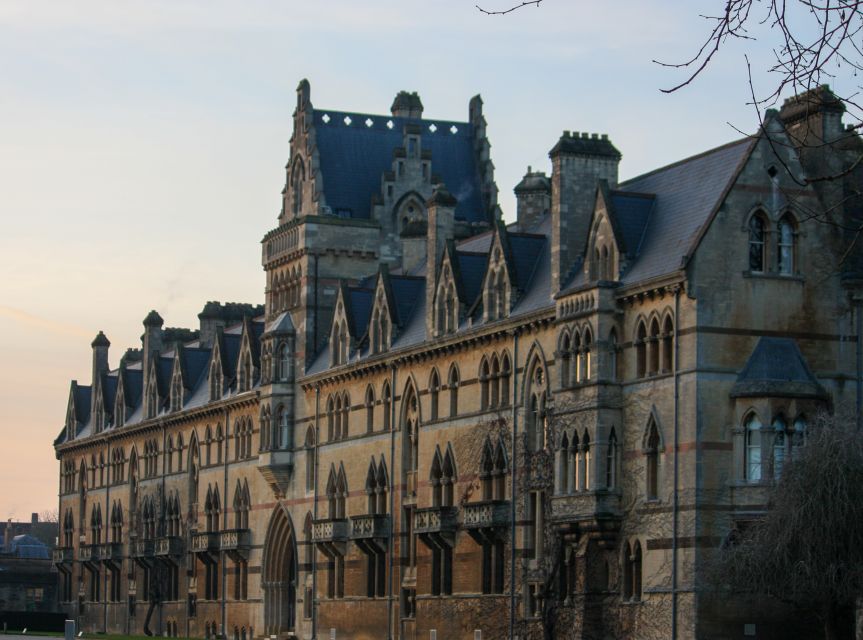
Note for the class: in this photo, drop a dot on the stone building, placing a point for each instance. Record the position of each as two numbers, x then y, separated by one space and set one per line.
440 424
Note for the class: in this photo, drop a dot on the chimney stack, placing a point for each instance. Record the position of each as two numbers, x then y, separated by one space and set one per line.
407 105
441 223
100 346
578 162
533 197
152 347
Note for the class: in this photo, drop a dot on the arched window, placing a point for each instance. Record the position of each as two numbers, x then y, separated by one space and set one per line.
219 439
346 414
411 431
636 571
452 385
779 444
563 465
565 359
284 362
752 466
283 428
370 409
341 494
448 479
586 469
434 393
798 437
310 462
483 384
611 461
627 573
785 253
668 345
386 405
309 545
536 427
604 271
505 370
757 243
653 351
613 355
651 451
578 363
494 376
585 356
641 350
298 176
331 419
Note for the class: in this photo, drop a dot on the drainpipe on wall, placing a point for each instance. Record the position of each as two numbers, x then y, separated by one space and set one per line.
225 526
515 402
859 313
675 509
108 514
392 500
315 503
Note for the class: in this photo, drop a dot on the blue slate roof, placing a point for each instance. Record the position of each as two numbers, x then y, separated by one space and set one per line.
109 391
631 212
133 387
25 546
407 290
231 354
687 193
776 367
472 267
525 248
195 363
82 403
359 308
354 157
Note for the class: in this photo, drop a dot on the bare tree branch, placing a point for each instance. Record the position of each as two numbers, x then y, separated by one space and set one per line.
503 12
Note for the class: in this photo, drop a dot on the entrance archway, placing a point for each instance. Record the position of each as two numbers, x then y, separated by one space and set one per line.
280 574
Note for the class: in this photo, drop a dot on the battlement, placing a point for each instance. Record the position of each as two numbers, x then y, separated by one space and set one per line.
584 143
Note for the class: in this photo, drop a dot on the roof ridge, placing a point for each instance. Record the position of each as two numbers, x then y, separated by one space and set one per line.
677 163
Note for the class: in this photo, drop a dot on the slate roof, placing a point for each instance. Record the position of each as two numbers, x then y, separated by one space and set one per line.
109 391
686 195
471 267
407 290
359 307
631 211
525 251
195 363
354 157
776 367
82 403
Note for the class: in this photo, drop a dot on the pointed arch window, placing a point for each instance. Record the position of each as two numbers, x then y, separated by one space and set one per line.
585 483
283 428
434 393
653 350
310 461
757 243
641 350
505 373
563 475
752 436
537 424
483 384
585 356
668 345
452 385
611 461
565 355
785 246
613 355
298 176
386 406
779 444
370 409
284 360
652 445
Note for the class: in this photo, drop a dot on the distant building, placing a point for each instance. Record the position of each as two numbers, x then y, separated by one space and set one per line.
28 577
441 422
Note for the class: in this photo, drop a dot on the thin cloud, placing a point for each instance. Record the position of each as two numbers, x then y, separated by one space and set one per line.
31 321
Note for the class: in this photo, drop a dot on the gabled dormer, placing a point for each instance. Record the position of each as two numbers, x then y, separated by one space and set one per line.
178 387
340 334
151 390
248 363
72 421
498 295
448 295
120 397
616 231
216 371
99 422
383 318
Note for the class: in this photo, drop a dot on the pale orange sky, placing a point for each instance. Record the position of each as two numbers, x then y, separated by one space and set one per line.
143 144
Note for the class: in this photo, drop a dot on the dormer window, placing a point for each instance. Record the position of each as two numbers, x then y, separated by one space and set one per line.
152 399
496 295
216 382
339 343
176 390
380 326
446 312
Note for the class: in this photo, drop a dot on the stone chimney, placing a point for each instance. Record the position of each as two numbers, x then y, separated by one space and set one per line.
533 197
578 161
814 117
100 346
407 105
34 517
441 223
152 347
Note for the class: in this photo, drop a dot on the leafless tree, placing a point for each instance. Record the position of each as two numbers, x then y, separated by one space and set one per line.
807 551
49 515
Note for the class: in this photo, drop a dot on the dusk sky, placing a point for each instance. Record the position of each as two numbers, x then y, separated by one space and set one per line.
143 143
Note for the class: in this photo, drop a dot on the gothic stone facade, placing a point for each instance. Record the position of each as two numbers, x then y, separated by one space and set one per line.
441 422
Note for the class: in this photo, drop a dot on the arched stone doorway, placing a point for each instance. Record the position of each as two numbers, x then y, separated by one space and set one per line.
280 574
